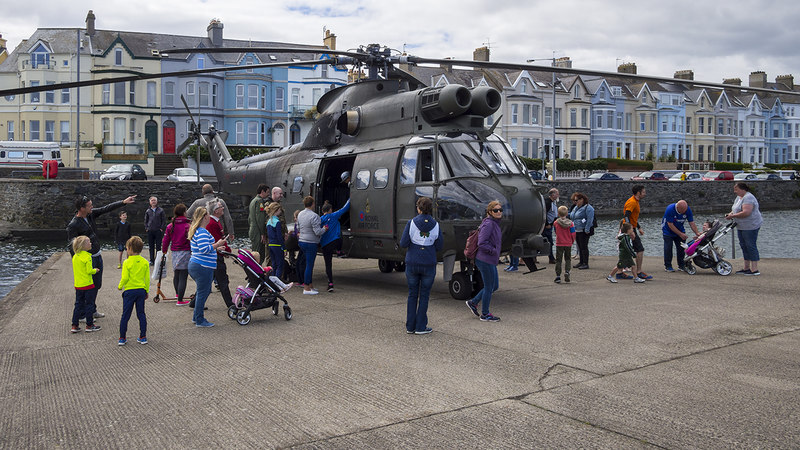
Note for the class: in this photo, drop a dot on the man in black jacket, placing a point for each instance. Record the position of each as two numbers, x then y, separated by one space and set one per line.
155 221
83 224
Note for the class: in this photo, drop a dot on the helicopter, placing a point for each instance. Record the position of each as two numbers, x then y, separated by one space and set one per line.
397 140
382 144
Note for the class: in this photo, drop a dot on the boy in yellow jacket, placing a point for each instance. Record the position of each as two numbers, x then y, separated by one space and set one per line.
136 282
85 293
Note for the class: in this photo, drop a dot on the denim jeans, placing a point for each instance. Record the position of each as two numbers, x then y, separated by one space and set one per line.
747 241
131 298
420 279
276 258
202 278
490 284
84 302
310 252
513 261
669 242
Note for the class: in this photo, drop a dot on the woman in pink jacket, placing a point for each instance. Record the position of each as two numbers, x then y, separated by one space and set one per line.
176 239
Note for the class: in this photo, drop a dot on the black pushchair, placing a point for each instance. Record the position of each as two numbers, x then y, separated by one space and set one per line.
260 292
705 254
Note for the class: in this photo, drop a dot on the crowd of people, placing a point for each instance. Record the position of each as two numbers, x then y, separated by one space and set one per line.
197 235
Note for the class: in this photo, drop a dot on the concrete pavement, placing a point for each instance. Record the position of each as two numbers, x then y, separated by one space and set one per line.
681 361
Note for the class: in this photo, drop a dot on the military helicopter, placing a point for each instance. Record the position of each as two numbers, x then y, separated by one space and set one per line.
397 140
382 144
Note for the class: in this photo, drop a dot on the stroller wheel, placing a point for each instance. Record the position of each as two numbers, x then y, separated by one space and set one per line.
232 311
287 312
243 317
691 269
723 268
275 308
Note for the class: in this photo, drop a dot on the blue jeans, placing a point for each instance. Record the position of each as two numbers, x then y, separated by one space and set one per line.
202 277
513 261
548 233
669 242
276 257
420 279
490 284
747 241
84 306
310 252
131 298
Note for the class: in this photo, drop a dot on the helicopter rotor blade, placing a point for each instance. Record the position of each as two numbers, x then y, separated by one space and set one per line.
186 105
300 50
184 144
151 76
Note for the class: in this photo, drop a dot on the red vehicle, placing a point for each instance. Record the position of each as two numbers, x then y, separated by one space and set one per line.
714 175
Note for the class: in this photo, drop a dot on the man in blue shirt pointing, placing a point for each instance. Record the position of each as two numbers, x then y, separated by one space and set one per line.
672 227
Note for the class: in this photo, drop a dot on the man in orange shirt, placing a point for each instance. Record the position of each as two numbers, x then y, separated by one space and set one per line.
631 212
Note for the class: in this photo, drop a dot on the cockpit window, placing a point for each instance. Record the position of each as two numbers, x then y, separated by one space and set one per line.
497 156
457 160
417 166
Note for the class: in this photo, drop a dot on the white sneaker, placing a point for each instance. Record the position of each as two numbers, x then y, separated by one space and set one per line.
639 280
310 292
611 279
288 286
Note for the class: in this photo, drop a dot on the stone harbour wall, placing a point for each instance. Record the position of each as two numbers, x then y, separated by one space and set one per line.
42 208
608 197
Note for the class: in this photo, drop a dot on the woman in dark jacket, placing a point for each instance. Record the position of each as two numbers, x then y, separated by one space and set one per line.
486 259
582 215
423 238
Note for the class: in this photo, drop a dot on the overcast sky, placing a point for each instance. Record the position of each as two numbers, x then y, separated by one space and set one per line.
715 39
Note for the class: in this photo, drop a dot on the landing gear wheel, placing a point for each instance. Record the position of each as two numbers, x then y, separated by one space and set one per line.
385 266
243 317
156 299
460 286
400 267
287 312
275 308
691 269
723 268
232 311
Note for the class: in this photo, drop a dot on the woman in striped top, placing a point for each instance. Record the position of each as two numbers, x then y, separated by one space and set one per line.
202 263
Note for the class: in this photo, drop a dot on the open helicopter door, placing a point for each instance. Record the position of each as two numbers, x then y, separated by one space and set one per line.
372 197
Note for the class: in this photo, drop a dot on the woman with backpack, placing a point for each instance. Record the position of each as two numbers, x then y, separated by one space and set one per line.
582 215
486 259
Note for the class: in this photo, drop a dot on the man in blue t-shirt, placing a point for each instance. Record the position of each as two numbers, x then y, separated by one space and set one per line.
674 233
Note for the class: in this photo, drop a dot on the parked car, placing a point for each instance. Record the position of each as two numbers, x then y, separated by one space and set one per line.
536 175
658 176
649 175
769 176
605 176
183 174
124 172
718 175
690 176
745 176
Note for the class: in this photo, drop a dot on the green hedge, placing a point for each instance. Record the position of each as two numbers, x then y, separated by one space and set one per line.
783 166
568 165
731 166
237 153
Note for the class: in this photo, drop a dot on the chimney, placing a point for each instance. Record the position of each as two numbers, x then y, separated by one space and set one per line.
758 79
788 80
564 62
684 74
3 51
732 81
629 68
215 32
90 23
481 54
329 40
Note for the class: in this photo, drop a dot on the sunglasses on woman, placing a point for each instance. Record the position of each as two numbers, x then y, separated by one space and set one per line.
497 210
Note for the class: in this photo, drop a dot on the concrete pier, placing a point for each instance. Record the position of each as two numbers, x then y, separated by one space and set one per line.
681 361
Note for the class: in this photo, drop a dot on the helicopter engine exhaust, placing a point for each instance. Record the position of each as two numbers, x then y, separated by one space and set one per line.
443 103
485 101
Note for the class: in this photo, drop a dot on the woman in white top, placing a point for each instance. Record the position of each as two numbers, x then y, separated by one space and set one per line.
748 221
309 230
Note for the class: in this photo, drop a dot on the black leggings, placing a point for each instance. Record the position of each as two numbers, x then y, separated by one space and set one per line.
179 282
327 254
582 239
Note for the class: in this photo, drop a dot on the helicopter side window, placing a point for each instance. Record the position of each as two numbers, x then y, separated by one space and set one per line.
297 185
417 166
381 178
362 179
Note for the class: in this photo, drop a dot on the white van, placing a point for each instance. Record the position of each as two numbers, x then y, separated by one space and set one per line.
28 154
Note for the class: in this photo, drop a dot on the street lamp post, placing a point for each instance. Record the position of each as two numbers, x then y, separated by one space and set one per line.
551 152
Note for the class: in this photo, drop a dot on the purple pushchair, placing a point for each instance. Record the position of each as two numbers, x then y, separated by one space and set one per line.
260 292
